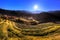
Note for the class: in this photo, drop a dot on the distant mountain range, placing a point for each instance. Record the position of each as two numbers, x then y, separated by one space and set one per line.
34 12
42 17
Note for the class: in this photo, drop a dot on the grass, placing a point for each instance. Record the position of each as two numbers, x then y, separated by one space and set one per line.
46 31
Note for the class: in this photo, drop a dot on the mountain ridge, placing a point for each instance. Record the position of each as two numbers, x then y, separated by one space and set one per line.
42 17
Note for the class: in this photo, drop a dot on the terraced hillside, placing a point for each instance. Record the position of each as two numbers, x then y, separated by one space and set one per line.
10 30
21 25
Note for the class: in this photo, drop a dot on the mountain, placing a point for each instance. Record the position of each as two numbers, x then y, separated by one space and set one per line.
34 12
42 17
10 29
14 12
16 15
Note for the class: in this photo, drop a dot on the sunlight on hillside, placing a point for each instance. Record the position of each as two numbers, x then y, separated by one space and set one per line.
46 31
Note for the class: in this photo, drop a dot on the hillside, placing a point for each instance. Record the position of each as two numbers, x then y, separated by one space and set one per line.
42 17
41 26
10 30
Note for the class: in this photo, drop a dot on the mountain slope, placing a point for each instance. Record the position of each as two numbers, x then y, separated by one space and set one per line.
46 31
10 29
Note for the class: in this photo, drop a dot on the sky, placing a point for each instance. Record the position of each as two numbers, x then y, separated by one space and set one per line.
43 5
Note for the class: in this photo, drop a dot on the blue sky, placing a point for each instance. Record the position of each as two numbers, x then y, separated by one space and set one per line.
44 5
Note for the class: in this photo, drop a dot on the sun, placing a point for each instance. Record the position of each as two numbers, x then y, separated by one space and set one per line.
35 7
